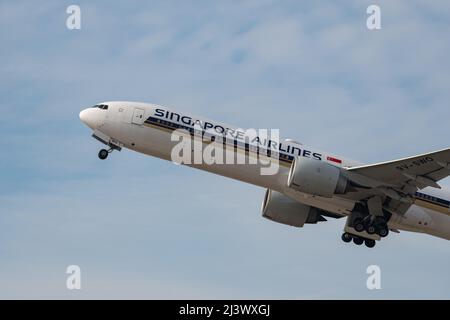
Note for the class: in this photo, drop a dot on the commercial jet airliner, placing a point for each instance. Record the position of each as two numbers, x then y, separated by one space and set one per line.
308 185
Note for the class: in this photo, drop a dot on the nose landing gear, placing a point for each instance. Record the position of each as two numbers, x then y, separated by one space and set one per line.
112 144
103 154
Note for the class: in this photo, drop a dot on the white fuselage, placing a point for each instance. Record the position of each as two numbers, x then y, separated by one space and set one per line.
148 128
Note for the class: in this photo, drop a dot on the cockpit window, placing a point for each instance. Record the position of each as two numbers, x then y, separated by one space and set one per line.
101 106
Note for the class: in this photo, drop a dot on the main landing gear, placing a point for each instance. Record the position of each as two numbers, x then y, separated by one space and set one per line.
372 225
367 223
347 237
103 154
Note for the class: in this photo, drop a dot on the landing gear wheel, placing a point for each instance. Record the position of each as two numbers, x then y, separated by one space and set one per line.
346 237
383 231
371 229
358 241
103 154
370 243
359 225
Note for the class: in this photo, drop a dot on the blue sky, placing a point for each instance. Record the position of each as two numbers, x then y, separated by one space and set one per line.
140 227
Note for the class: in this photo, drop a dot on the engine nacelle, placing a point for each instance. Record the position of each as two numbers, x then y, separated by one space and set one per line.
316 178
279 208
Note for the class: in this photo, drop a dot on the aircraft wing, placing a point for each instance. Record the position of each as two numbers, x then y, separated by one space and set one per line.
419 171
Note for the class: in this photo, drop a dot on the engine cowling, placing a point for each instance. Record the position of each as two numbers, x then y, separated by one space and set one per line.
279 208
316 178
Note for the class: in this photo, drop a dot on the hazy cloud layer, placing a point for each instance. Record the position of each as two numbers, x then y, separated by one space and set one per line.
143 228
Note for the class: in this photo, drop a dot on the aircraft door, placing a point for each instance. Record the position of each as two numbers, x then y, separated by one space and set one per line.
138 116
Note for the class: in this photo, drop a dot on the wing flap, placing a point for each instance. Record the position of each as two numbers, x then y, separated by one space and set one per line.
421 171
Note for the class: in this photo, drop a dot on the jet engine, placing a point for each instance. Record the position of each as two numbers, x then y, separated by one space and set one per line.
282 209
316 178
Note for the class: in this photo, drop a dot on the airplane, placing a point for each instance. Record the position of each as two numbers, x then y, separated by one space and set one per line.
308 186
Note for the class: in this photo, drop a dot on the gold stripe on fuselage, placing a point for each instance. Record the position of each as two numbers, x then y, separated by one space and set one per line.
240 149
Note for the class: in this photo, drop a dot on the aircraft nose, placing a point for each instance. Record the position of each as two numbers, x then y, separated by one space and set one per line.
88 118
83 115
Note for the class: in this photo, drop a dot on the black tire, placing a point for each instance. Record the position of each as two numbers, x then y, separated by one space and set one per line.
346 237
103 154
370 243
359 226
371 229
383 231
358 241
